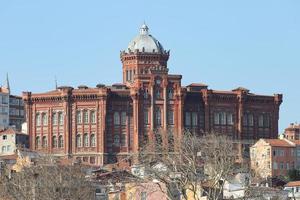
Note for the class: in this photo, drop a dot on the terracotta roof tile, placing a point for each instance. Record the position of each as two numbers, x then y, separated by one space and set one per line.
293 184
279 143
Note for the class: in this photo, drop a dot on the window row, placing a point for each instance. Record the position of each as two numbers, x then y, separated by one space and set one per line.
223 118
158 93
191 119
42 118
87 140
129 75
43 142
283 165
86 117
5 149
278 152
263 120
158 117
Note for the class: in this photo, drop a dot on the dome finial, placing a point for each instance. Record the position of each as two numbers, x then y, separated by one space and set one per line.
144 29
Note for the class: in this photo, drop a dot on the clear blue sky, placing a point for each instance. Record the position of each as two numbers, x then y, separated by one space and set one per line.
225 44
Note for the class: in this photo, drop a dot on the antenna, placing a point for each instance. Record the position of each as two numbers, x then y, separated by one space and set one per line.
7 82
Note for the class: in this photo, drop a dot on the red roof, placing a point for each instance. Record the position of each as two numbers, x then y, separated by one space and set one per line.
293 184
198 85
279 143
10 131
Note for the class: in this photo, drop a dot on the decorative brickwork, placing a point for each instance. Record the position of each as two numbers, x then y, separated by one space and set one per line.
104 124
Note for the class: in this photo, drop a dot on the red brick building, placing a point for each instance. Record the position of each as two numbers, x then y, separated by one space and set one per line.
292 132
105 123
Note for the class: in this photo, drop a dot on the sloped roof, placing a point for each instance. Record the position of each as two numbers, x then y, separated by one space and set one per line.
293 184
279 143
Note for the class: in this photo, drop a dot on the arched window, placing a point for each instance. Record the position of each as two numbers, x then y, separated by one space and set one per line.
86 140
54 118
116 140
93 117
146 93
38 142
45 119
54 142
60 118
85 117
116 118
44 142
60 141
78 140
78 117
38 119
158 93
158 117
93 140
3 149
170 93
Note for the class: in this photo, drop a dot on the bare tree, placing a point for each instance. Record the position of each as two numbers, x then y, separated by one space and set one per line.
46 180
185 164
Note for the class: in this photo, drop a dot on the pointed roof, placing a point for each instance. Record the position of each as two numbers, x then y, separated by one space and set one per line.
7 82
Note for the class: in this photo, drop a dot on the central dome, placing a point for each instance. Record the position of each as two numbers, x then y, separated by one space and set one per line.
145 42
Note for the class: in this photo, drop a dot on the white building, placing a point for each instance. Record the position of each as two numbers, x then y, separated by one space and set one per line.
10 140
293 189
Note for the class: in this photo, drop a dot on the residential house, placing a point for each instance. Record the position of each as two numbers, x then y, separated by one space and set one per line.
10 140
273 157
293 189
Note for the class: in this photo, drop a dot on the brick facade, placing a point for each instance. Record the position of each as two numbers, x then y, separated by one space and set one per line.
105 123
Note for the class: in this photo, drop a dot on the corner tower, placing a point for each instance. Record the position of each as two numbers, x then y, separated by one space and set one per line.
143 54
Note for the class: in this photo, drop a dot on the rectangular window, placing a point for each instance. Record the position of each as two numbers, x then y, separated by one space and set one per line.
216 118
281 165
93 117
261 121
266 121
123 139
78 117
250 120
275 166
245 120
187 118
45 118
171 117
54 119
85 117
158 117
229 119
60 118
223 118
146 120
194 119
298 152
38 119
123 118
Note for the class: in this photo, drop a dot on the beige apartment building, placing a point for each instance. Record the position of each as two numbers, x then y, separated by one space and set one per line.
273 157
